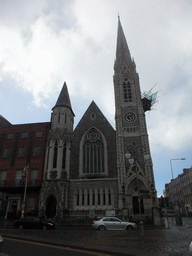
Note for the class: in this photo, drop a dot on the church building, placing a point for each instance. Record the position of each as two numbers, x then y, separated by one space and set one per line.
93 168
89 171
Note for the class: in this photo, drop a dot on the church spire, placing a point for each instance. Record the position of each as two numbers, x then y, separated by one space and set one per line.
122 49
63 99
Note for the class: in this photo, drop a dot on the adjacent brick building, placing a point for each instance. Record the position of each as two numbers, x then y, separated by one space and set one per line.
179 192
21 145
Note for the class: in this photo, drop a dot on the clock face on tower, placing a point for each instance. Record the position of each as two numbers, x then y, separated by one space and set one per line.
130 117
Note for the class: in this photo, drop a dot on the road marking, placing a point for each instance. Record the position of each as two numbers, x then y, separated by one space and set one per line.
57 247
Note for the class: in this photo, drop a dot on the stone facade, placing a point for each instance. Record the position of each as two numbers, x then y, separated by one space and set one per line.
98 175
134 164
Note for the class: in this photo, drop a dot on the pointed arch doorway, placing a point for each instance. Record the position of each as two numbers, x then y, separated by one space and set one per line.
51 206
138 206
135 188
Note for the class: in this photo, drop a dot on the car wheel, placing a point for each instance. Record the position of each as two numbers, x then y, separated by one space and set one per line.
45 227
101 228
20 226
129 227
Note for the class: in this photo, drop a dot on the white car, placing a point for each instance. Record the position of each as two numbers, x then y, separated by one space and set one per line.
1 242
113 223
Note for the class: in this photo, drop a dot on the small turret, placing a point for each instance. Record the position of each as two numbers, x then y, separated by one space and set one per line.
59 142
63 116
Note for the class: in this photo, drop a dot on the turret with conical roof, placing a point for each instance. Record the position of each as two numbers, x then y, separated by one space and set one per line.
59 141
63 99
63 116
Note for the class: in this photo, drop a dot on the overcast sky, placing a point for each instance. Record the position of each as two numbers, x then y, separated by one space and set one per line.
44 43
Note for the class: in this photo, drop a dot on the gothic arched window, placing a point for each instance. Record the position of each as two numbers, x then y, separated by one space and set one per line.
109 196
127 90
93 198
59 117
64 155
99 198
77 200
65 118
104 198
55 155
88 197
93 153
83 197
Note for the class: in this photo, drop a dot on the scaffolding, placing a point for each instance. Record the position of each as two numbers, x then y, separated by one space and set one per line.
149 99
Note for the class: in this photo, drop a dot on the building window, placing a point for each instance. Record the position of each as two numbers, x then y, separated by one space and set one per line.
3 176
18 176
88 197
104 198
37 151
24 135
93 198
7 152
109 196
64 155
78 197
10 136
93 153
65 118
34 176
31 204
55 155
22 151
59 117
39 134
99 198
92 115
127 90
83 198
13 205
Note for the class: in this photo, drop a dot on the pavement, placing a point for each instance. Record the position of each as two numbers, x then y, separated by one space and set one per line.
156 241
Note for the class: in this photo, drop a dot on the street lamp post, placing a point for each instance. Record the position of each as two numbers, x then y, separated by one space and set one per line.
123 190
25 173
171 164
178 217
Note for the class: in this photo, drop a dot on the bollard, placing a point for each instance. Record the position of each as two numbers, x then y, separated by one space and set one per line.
167 222
190 248
142 228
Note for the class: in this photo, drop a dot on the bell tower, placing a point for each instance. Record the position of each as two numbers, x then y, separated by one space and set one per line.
134 165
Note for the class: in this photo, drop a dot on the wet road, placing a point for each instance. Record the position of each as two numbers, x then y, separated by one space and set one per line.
17 248
174 240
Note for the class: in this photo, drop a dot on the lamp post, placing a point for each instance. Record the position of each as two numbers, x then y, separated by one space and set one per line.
153 192
123 190
178 217
171 164
25 173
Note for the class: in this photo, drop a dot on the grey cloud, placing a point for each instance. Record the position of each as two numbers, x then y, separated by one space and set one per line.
60 14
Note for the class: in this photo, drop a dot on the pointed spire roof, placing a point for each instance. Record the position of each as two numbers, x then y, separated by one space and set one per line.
63 99
122 47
